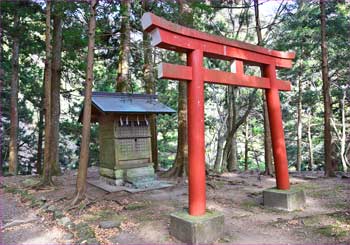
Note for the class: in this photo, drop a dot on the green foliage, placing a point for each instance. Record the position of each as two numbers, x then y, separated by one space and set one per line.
296 28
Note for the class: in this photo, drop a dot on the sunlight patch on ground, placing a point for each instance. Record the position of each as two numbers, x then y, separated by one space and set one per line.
50 236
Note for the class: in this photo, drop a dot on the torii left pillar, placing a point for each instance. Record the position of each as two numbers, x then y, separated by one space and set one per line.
209 225
196 141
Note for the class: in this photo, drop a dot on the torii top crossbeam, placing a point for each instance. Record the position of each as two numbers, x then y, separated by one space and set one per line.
197 45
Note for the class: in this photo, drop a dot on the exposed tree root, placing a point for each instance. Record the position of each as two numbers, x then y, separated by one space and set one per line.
59 199
44 184
175 171
81 204
231 182
20 222
79 197
213 186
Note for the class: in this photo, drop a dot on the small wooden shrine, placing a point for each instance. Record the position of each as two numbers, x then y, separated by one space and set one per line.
125 136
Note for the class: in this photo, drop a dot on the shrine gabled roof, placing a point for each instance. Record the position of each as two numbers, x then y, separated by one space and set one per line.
129 103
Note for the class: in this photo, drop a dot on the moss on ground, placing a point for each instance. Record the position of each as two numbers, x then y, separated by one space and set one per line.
24 194
250 205
334 230
208 214
336 225
228 239
306 186
136 206
103 215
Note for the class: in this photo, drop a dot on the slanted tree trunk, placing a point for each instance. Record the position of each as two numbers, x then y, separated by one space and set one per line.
220 148
269 169
148 73
123 83
238 123
13 150
55 92
344 158
47 175
246 145
181 160
85 141
329 171
299 124
343 134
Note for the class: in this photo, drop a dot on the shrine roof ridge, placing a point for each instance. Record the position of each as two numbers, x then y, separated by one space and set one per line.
151 21
128 103
124 95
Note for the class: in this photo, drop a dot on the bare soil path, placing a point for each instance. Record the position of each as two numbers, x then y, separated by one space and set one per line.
144 217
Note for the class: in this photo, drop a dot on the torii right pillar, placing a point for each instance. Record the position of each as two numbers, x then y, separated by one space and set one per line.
282 197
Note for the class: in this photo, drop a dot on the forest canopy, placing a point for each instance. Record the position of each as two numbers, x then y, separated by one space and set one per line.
125 61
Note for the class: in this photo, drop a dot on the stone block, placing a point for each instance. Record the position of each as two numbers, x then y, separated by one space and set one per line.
137 174
140 177
111 173
289 200
203 229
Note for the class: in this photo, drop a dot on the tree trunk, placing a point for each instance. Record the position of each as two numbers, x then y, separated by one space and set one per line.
238 123
47 175
311 148
148 72
230 151
343 133
246 145
181 159
123 83
38 164
85 141
269 169
329 171
55 92
299 125
219 150
1 85
13 150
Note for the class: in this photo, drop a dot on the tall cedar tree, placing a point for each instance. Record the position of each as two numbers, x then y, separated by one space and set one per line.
13 148
55 89
47 175
329 171
299 103
246 145
148 76
181 160
38 163
230 149
85 141
123 83
269 169
1 86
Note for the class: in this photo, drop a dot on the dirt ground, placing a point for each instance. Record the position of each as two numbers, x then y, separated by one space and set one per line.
144 217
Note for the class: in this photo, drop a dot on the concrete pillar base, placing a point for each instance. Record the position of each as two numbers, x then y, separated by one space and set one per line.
202 229
289 200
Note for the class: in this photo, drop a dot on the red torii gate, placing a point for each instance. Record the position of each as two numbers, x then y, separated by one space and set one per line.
196 45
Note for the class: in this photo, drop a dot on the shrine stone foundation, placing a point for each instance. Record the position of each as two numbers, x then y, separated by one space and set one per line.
203 229
288 200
